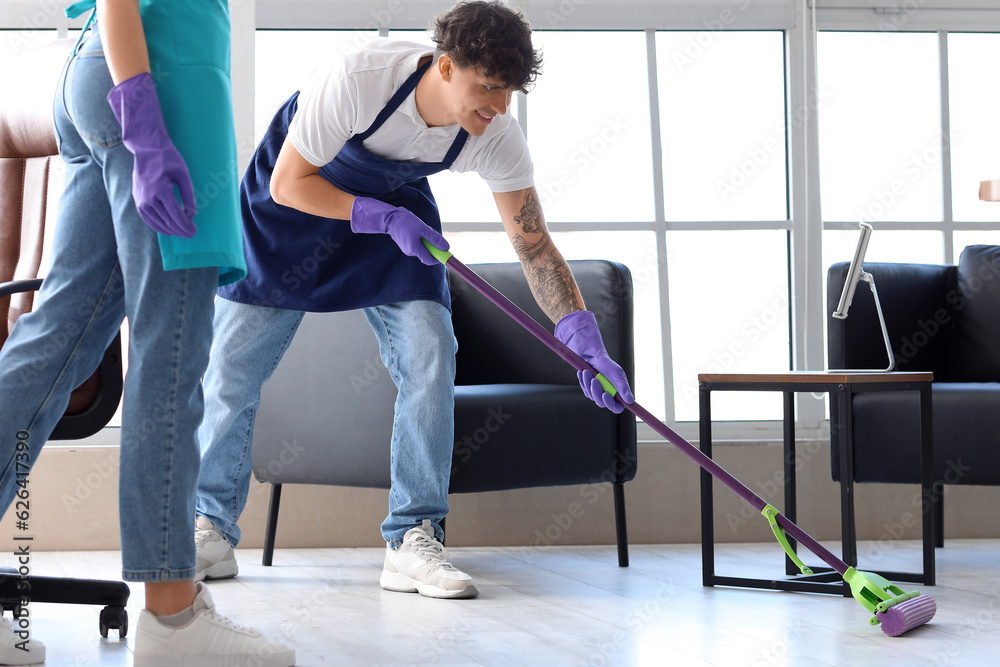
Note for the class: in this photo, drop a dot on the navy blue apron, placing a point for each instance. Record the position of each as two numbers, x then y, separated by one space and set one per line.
299 261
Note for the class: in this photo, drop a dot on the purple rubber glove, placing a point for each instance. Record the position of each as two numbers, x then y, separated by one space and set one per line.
371 216
578 331
158 164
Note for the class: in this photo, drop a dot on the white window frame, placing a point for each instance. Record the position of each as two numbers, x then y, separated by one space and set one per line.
799 20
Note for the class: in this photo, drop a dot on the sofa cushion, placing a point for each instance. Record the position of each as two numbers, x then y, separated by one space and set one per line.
513 436
975 355
965 423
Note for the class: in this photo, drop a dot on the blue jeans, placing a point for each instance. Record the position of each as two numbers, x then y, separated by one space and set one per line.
417 344
106 266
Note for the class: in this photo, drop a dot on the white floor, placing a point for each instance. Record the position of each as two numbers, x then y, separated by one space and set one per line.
561 606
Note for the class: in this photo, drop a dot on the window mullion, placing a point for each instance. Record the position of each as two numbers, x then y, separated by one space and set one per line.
660 227
807 227
946 200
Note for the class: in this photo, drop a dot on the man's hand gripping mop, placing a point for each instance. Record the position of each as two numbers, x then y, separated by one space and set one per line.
896 610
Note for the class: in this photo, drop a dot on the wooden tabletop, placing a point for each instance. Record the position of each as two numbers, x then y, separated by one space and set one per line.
819 377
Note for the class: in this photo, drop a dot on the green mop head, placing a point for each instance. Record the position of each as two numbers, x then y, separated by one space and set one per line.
893 608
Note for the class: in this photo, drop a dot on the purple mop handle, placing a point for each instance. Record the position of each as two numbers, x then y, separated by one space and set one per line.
574 360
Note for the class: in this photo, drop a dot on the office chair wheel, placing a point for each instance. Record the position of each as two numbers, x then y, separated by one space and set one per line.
114 618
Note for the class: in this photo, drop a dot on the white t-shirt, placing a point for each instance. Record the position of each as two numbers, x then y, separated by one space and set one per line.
343 98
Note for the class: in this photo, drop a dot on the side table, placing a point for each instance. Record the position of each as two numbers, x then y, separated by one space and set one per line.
842 386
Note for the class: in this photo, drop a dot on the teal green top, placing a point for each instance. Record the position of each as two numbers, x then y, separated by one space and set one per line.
188 43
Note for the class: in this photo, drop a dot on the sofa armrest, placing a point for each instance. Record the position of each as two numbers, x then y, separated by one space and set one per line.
918 303
19 286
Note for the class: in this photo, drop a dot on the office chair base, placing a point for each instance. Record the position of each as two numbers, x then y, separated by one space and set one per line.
112 594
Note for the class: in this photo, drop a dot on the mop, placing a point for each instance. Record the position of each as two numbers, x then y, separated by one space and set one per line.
894 609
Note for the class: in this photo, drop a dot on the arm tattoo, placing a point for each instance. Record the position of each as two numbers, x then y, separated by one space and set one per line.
549 277
530 217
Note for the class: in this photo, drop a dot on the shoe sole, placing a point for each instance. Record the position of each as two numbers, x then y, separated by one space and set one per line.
284 659
227 569
35 657
400 583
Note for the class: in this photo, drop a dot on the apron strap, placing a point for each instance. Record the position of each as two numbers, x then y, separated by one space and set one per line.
456 148
79 8
394 101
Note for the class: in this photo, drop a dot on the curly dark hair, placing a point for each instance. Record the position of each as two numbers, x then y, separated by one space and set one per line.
491 36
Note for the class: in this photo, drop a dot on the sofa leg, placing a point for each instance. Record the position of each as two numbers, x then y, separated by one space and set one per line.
272 525
939 514
620 528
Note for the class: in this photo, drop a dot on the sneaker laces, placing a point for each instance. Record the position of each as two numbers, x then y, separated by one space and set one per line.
201 535
430 549
230 623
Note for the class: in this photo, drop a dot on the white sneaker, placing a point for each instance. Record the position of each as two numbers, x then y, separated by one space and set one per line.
16 650
420 565
216 559
207 640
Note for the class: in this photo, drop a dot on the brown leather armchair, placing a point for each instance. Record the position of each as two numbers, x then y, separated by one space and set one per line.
30 185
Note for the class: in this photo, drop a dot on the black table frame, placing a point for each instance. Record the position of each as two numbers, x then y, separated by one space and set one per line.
825 580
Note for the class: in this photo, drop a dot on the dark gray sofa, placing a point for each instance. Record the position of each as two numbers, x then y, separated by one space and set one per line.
943 319
521 419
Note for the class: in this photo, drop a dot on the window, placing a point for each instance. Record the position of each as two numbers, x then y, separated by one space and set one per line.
880 144
886 245
881 151
285 59
722 122
728 314
727 183
722 119
728 173
637 251
975 126
588 128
